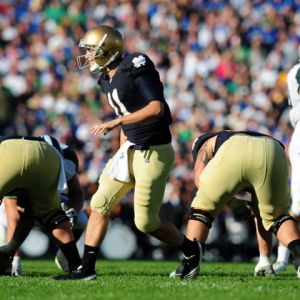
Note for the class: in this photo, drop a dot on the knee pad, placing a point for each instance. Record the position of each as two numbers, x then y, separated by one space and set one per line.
82 220
97 202
102 205
201 216
52 221
146 225
275 227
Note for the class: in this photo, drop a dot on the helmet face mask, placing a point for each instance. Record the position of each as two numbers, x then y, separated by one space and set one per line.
85 60
103 45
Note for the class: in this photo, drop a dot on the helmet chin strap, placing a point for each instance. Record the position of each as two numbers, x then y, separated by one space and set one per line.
95 68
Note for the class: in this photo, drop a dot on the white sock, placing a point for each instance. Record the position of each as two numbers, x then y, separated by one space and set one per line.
283 254
264 259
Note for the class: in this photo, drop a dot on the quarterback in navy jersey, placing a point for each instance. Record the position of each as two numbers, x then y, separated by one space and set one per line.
146 156
135 84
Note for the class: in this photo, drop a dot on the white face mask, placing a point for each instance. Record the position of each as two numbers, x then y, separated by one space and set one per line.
83 62
94 51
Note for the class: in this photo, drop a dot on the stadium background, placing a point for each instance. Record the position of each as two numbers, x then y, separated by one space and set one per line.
223 64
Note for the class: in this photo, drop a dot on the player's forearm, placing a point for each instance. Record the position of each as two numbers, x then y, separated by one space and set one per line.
11 226
152 111
75 195
12 215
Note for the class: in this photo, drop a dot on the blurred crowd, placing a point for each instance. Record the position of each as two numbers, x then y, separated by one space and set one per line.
223 65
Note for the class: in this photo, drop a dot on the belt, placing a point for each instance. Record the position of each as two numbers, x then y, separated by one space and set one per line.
19 137
139 147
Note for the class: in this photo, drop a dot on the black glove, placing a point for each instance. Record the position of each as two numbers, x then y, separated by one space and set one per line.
240 209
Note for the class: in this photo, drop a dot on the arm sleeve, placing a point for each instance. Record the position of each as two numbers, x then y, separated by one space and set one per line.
149 87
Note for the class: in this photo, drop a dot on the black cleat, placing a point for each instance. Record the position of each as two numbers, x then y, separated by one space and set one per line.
78 274
178 271
190 266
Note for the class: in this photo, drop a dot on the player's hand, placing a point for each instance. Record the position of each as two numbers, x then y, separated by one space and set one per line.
240 209
264 270
16 266
71 214
105 128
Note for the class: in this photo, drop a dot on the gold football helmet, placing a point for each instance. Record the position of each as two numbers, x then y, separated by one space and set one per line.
106 43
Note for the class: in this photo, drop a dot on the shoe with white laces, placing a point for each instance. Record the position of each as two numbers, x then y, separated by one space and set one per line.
280 266
77 274
190 266
61 261
266 270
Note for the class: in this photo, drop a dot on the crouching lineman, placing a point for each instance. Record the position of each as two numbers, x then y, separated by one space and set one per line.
71 203
227 162
33 171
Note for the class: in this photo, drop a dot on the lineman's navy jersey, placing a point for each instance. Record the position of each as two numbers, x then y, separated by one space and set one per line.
125 97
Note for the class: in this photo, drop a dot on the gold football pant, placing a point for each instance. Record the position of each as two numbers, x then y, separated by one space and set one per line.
32 166
245 161
149 170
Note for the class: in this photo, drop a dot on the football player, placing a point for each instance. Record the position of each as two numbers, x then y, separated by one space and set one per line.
293 85
146 156
33 171
71 203
227 162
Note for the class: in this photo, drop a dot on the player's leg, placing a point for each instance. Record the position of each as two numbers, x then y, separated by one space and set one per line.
274 200
103 201
218 183
267 171
151 169
78 229
45 201
283 253
288 234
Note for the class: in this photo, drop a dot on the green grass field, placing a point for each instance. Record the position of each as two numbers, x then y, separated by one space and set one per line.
149 280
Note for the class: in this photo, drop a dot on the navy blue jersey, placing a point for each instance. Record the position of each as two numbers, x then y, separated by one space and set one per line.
222 136
135 84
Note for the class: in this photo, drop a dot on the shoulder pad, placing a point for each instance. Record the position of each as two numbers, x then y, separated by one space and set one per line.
136 64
